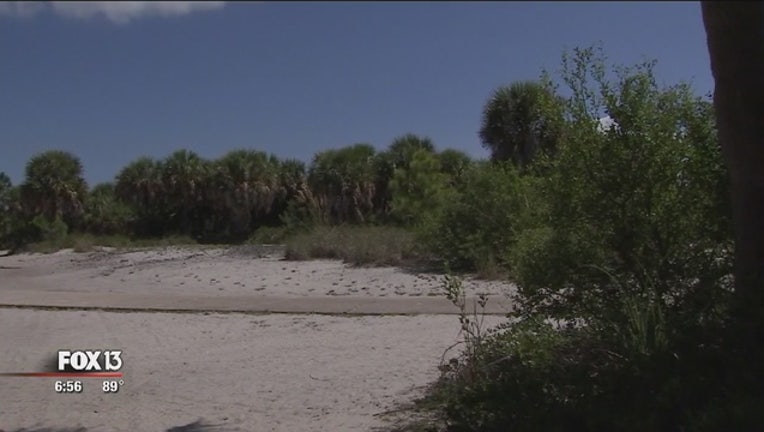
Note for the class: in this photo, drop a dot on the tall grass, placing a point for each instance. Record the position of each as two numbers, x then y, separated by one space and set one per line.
356 245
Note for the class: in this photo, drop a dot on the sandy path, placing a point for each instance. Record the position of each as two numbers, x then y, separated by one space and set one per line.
234 279
248 372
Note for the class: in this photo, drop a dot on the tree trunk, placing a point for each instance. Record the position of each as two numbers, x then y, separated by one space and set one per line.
735 36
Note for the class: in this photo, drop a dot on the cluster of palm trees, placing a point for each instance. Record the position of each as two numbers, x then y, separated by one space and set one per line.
223 199
230 197
187 194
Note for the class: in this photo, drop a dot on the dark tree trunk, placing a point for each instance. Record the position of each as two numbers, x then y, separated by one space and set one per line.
735 36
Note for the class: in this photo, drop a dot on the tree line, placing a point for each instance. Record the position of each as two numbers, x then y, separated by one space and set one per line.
229 198
222 200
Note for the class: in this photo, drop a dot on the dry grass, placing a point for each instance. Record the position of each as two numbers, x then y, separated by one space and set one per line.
357 245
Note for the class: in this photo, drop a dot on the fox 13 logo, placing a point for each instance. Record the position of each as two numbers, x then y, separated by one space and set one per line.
89 360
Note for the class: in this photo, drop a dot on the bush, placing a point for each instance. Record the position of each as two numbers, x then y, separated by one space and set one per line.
9 212
104 213
635 210
626 248
54 231
532 375
475 229
419 190
43 235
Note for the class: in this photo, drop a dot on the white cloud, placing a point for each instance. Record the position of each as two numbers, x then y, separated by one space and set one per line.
21 8
124 11
606 123
120 12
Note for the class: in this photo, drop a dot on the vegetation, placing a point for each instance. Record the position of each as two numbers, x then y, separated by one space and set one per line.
516 126
375 245
620 242
619 239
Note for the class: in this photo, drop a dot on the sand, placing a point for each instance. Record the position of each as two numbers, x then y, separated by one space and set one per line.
244 371
221 272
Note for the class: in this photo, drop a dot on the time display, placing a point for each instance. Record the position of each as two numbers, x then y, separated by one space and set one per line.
68 386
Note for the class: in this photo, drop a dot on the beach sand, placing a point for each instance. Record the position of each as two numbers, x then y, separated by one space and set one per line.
223 360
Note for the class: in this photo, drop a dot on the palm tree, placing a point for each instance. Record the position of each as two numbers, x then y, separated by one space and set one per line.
5 193
345 178
515 125
292 177
245 187
397 156
403 148
104 213
139 185
54 186
184 174
250 178
292 182
384 169
7 213
15 229
454 164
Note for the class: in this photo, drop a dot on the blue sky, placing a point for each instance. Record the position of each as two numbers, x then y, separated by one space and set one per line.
112 83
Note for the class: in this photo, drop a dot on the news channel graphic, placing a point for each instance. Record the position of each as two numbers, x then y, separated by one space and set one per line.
74 370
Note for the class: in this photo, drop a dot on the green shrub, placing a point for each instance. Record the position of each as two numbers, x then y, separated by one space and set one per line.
531 375
104 213
419 190
624 243
54 231
475 229
639 207
10 217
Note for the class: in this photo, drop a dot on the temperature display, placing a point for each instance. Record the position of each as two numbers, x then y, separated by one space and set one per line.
112 386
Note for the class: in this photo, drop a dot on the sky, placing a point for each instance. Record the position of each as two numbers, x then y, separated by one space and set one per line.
111 82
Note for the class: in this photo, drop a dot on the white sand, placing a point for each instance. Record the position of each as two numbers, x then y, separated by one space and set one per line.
221 272
248 372
256 373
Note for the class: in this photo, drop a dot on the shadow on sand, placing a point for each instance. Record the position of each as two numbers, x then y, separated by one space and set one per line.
197 426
